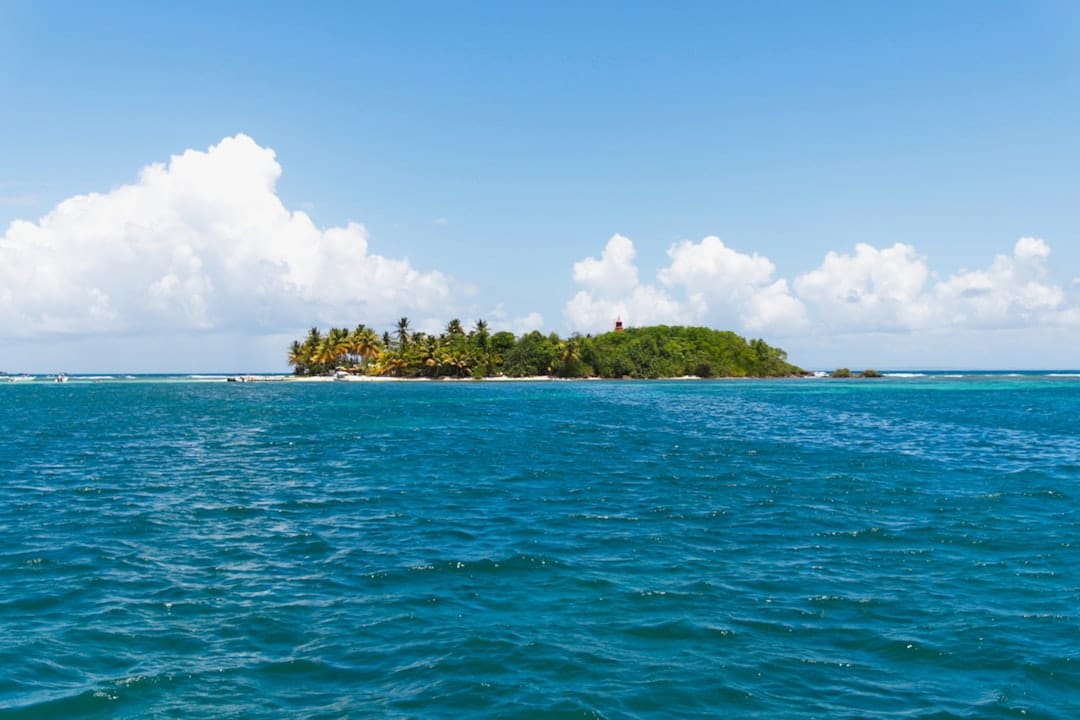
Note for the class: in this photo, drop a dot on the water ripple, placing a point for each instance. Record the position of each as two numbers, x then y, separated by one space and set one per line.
610 550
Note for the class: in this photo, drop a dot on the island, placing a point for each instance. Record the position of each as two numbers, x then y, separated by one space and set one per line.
658 351
845 373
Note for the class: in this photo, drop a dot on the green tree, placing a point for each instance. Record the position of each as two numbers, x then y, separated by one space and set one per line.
648 352
364 344
428 351
532 354
568 358
334 348
402 333
297 358
310 351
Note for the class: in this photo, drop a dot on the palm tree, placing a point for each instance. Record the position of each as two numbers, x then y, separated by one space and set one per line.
365 344
454 327
402 334
569 354
334 347
312 343
459 363
296 357
429 362
480 339
391 363
355 356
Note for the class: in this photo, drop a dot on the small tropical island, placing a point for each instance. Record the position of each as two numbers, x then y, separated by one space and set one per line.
659 351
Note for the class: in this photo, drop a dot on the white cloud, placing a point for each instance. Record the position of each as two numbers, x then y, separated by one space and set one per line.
499 321
527 323
712 265
611 290
893 290
853 302
643 305
730 287
201 243
705 282
1013 291
773 307
870 289
614 273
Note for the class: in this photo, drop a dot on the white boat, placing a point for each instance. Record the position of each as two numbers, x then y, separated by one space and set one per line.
62 377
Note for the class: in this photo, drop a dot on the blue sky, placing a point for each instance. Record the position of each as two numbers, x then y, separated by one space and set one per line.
498 146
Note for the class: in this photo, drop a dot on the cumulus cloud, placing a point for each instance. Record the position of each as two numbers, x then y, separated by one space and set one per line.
727 285
610 290
500 320
867 290
893 290
613 273
705 282
870 289
202 242
710 264
527 323
1012 291
642 305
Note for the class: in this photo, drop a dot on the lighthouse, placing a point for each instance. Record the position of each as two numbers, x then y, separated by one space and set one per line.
618 324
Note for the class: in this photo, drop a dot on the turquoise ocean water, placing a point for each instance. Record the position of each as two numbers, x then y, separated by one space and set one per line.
902 548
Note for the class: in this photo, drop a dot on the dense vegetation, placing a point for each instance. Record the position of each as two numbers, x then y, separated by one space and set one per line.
648 352
846 373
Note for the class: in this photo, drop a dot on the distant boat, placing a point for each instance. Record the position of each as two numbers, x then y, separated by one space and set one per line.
62 377
18 378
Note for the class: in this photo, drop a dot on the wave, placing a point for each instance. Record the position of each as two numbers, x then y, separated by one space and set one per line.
904 375
316 567
80 703
1063 375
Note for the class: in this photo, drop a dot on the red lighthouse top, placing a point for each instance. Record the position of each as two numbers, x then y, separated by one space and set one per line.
618 324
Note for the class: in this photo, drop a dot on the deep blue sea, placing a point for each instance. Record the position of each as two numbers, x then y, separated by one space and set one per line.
895 548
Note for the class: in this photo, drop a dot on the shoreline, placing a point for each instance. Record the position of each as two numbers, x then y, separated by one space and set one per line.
498 379
84 379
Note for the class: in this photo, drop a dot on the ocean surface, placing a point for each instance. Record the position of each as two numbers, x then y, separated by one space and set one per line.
816 548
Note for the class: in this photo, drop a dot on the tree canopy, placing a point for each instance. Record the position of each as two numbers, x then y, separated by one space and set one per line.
659 351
